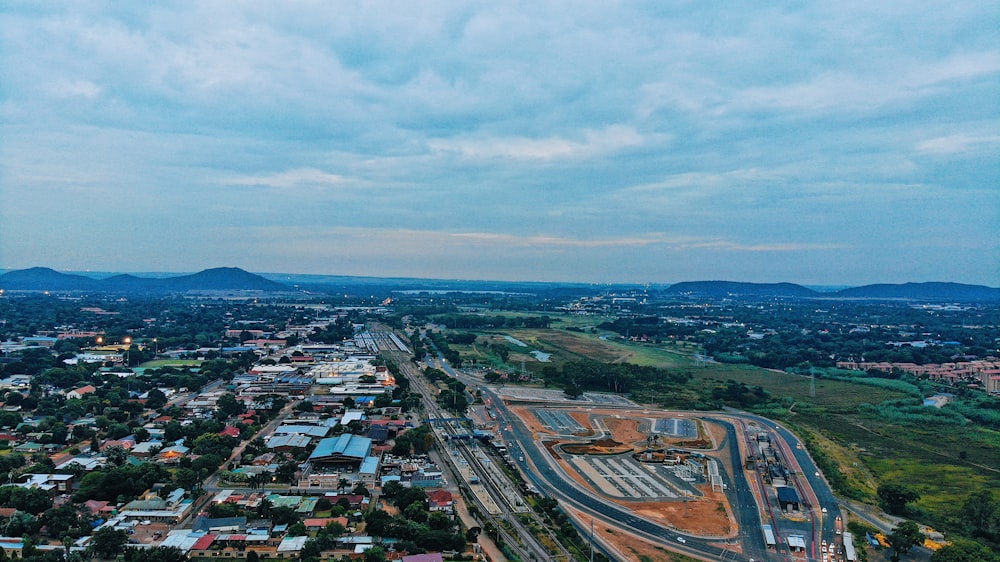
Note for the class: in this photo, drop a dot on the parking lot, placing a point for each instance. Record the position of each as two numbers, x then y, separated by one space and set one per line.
624 477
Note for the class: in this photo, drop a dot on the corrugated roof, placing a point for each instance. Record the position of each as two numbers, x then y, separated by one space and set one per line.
346 446
292 544
203 542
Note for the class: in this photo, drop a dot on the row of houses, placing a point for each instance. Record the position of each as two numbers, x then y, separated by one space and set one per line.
983 372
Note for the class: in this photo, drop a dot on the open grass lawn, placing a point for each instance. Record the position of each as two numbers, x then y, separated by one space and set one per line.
558 320
159 363
831 395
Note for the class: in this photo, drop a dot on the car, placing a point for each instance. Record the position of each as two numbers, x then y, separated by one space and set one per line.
681 540
824 510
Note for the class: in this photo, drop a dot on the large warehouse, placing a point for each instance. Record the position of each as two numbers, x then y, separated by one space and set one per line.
343 449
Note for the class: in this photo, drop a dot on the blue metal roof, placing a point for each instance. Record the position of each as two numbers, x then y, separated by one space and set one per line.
346 446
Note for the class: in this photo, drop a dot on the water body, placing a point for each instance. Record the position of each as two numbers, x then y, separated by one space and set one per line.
541 356
515 341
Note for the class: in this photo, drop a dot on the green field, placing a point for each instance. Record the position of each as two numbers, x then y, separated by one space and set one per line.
159 363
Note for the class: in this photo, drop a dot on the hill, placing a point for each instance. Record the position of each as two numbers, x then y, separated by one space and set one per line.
217 279
922 291
46 279
947 292
723 289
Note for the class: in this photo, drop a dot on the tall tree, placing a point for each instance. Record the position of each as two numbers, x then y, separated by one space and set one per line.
904 537
894 497
107 542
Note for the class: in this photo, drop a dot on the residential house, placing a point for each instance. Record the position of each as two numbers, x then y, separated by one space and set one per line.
80 392
440 500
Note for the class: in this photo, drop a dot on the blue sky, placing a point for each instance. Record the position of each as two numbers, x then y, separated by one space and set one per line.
820 143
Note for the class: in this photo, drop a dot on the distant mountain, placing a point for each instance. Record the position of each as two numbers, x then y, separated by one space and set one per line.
722 289
957 292
922 291
45 279
218 279
221 279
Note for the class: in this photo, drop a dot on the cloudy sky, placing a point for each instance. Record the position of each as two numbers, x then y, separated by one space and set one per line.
820 142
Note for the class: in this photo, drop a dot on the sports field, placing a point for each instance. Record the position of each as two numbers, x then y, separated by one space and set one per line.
160 363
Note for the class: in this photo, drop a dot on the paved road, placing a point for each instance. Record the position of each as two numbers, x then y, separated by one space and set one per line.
553 481
818 487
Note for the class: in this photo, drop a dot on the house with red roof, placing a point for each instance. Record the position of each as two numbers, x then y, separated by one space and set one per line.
230 431
440 500
80 392
317 523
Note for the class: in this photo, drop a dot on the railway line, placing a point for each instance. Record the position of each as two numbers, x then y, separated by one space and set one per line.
514 533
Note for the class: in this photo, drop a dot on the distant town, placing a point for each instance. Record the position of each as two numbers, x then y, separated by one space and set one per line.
242 420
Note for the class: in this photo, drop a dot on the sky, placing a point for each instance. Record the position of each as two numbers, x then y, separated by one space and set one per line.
824 143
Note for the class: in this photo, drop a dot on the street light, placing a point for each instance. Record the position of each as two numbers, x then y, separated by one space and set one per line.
128 343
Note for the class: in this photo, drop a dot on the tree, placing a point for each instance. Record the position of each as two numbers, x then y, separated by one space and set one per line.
375 554
29 500
904 537
283 515
391 489
107 542
286 471
961 550
894 497
360 489
416 512
116 455
156 399
186 478
980 510
573 391
229 406
156 554
439 521
252 556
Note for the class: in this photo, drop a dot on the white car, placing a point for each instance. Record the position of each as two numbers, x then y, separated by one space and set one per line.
681 540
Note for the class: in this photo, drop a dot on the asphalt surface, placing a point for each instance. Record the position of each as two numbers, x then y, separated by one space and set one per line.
553 481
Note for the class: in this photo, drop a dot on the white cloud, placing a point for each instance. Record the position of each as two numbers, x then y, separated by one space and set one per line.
594 143
846 89
958 144
629 132
310 177
76 89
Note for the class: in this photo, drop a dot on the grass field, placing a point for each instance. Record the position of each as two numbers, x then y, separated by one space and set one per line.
159 363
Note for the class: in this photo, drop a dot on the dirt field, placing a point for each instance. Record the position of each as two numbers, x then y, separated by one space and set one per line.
628 547
626 430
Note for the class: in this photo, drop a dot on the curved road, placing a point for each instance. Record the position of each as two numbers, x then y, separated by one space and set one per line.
555 482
